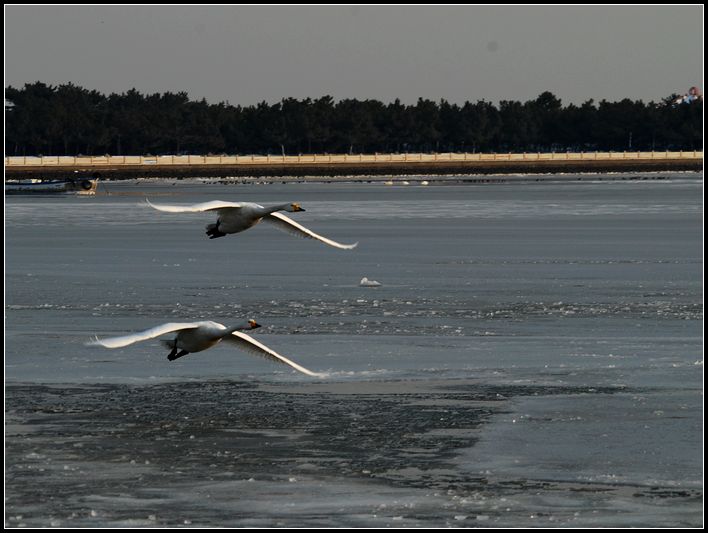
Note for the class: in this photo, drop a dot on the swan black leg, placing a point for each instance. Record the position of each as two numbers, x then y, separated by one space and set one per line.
213 231
174 355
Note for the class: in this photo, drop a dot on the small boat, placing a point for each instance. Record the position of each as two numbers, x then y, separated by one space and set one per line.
82 186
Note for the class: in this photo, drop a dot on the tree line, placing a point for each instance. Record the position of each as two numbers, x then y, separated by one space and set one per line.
42 119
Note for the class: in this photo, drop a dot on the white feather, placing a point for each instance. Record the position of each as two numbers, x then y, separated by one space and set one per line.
249 344
195 208
288 225
126 340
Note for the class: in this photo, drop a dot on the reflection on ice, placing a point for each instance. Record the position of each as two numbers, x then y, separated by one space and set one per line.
333 454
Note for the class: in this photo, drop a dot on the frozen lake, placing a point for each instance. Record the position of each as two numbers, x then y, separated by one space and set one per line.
533 357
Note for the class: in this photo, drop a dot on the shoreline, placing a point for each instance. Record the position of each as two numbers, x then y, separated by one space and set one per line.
350 167
416 179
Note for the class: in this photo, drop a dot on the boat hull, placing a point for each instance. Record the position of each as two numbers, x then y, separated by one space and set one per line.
80 187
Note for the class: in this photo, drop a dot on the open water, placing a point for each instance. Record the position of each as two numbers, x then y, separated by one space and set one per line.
533 357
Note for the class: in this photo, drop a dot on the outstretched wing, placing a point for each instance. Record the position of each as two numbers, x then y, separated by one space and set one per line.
284 223
251 345
196 208
125 340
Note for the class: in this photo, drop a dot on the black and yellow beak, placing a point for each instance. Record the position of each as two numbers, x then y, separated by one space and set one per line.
253 324
296 207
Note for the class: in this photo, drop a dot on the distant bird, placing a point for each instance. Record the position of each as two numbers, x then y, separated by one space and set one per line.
236 217
199 336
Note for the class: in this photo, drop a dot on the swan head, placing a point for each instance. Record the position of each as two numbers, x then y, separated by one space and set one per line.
253 324
294 208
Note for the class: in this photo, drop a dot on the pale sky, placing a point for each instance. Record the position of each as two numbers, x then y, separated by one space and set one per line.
247 54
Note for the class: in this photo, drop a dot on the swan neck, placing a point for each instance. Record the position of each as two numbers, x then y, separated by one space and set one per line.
273 209
230 330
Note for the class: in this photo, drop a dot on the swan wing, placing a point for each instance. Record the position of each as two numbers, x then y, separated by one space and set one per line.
125 340
287 224
196 208
251 345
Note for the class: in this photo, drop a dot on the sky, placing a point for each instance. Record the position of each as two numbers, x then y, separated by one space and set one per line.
247 54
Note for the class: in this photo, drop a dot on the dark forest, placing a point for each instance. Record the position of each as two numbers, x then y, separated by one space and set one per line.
42 119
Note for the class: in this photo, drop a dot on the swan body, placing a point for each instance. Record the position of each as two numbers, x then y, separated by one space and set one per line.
235 217
199 336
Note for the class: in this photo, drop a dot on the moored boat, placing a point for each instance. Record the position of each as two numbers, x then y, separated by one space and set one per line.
83 186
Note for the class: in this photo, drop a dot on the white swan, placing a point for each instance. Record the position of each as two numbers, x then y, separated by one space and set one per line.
234 217
199 336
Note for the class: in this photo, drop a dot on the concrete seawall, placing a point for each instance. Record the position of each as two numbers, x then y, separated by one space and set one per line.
344 166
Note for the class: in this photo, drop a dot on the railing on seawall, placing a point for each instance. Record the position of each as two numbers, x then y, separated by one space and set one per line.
215 160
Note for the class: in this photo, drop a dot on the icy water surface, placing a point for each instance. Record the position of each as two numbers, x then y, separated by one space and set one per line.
532 358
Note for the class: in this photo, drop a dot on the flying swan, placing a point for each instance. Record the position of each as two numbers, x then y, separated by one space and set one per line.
234 217
199 336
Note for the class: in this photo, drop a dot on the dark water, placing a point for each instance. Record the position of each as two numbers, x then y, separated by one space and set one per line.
532 358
